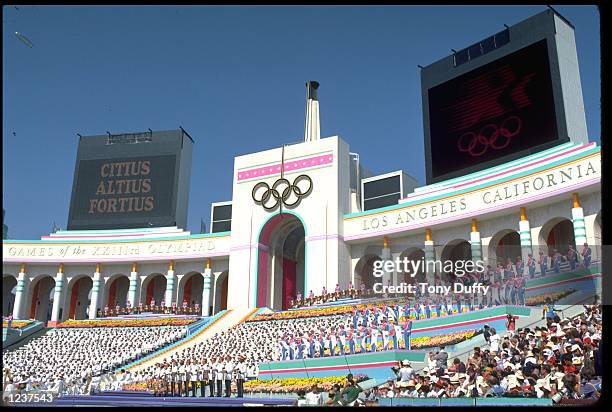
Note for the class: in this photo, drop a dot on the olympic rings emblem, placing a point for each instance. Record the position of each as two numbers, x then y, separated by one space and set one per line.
289 194
489 136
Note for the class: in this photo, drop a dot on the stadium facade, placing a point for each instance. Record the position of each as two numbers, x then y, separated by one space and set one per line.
299 221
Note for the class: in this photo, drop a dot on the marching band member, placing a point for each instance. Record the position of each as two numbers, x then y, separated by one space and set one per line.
193 377
241 370
212 376
219 374
229 371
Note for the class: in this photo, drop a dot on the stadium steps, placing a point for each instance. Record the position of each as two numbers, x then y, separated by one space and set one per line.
228 319
19 342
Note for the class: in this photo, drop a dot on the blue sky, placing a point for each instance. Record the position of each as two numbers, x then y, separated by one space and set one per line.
233 77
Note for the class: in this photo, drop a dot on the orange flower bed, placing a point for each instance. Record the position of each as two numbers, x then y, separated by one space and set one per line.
17 324
122 323
315 312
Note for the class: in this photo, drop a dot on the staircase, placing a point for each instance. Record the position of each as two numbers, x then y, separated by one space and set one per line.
230 318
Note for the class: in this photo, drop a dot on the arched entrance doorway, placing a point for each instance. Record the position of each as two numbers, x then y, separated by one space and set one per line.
414 255
77 297
190 289
597 230
116 290
455 250
503 245
281 261
557 234
220 292
41 298
364 272
153 288
9 284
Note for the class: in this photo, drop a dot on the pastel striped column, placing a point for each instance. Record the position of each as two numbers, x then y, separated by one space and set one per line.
133 291
525 236
578 220
19 294
430 256
58 295
475 242
206 291
95 293
170 281
386 255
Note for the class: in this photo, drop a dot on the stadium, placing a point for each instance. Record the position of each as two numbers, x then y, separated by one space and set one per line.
297 284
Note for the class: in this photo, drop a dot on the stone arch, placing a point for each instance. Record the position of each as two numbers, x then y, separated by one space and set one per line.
77 297
505 243
414 254
364 272
220 292
597 230
281 275
153 289
9 286
456 249
556 233
39 303
116 290
190 288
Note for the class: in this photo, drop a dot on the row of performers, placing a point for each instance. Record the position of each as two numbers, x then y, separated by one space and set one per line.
152 307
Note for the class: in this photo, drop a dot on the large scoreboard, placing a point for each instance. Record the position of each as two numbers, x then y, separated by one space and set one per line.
131 180
502 98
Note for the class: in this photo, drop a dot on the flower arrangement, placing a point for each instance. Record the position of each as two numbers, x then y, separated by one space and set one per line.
138 386
119 323
315 312
17 324
538 300
291 385
425 342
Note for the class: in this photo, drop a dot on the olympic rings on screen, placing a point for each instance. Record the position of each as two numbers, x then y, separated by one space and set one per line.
282 191
490 135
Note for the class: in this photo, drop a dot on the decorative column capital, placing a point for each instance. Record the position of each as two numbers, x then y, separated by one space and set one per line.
98 268
208 263
22 268
386 242
523 213
171 265
576 200
61 268
474 225
428 235
134 267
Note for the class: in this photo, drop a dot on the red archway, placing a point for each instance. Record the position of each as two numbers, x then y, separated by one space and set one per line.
281 266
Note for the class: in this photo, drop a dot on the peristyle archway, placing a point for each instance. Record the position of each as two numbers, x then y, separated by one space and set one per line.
281 261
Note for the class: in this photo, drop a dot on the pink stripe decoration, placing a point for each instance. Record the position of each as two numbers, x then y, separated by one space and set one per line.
112 236
290 165
471 182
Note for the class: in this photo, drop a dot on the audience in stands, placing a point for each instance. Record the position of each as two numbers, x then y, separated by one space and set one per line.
64 357
349 293
561 360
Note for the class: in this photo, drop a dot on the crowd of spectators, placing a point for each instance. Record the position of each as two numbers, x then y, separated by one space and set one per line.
561 360
68 356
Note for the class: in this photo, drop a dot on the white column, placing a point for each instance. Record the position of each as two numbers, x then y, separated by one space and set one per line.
475 242
95 293
170 281
578 220
430 256
20 293
206 291
386 255
133 291
59 294
525 235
